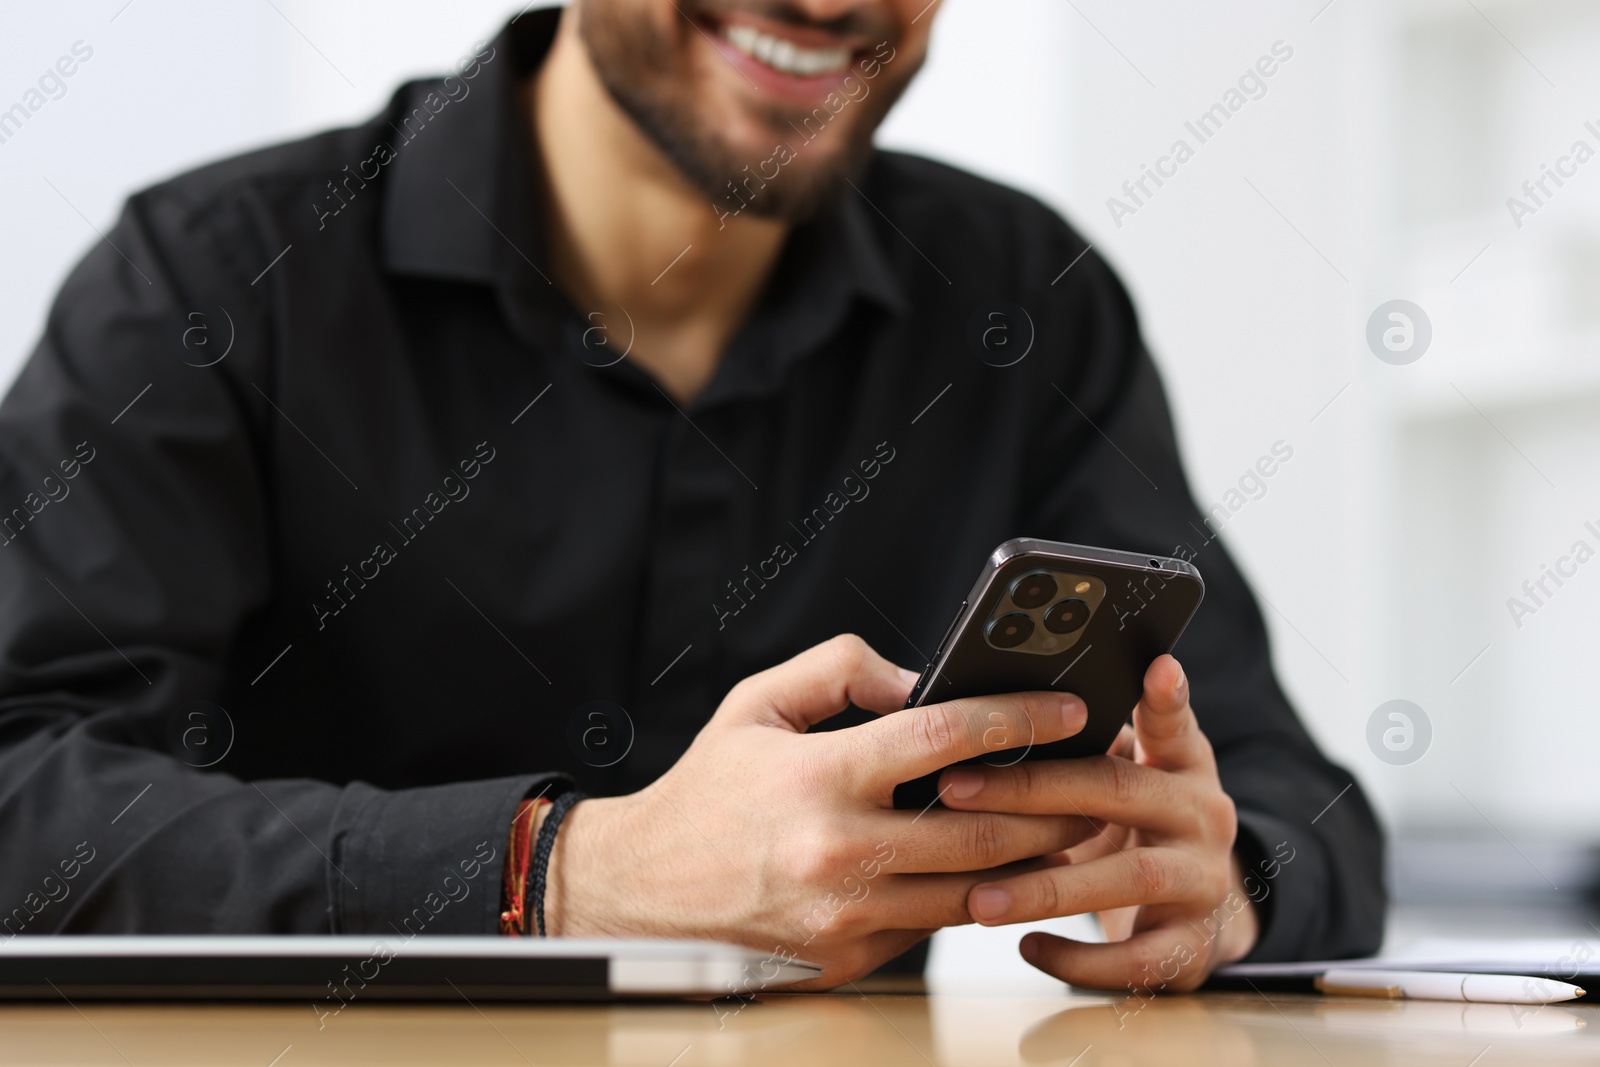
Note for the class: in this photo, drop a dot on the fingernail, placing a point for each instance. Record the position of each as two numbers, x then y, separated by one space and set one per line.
1074 714
962 783
990 902
1182 682
1029 949
908 677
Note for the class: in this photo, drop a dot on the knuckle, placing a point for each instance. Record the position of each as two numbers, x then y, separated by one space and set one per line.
1143 958
1122 780
1044 708
847 923
798 866
814 858
860 921
849 652
1154 875
1023 714
937 729
1045 897
834 856
1019 719
985 840
1030 787
1222 815
740 693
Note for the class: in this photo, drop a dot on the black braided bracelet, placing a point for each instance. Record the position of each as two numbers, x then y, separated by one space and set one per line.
543 845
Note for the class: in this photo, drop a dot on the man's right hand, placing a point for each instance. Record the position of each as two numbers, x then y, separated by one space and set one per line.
768 836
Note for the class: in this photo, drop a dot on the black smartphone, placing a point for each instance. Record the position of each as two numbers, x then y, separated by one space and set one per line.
1044 615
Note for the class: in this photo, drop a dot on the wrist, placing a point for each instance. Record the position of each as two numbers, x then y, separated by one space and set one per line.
631 867
584 895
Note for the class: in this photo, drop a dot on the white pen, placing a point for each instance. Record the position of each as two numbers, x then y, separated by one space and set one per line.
1445 985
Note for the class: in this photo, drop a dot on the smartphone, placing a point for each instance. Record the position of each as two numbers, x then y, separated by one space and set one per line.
1044 615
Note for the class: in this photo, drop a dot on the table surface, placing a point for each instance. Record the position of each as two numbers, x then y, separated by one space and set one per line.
872 1026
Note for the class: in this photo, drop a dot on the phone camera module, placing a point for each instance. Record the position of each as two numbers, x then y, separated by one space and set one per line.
1010 630
1066 616
1033 591
1043 611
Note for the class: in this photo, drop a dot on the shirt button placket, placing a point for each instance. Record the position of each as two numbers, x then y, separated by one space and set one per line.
684 550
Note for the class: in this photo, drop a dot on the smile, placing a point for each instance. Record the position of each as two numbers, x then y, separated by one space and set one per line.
784 56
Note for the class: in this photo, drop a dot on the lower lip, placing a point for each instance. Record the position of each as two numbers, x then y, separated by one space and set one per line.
794 88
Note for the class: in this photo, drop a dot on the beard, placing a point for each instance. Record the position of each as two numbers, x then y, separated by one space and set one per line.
649 71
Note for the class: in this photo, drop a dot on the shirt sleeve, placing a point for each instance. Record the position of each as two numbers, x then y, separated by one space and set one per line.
1105 470
134 541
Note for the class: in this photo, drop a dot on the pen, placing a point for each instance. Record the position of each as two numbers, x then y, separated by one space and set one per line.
1445 985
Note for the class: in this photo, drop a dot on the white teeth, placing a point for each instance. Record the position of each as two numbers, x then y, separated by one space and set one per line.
786 56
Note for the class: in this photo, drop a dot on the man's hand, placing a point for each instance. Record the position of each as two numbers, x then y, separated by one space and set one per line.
1160 870
768 836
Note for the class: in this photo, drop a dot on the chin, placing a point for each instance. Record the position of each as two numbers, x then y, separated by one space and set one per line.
766 119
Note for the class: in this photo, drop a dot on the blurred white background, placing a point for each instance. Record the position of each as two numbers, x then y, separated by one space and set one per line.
1376 165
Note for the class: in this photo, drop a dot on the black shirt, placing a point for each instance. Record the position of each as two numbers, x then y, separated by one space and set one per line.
332 529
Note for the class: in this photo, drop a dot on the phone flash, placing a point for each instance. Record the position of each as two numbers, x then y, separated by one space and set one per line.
1081 587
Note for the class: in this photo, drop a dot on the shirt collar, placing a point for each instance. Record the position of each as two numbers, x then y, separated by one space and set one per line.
461 203
460 198
868 264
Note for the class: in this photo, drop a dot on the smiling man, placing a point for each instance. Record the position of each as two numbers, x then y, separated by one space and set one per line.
377 493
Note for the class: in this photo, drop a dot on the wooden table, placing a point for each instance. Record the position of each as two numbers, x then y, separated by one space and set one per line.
872 1027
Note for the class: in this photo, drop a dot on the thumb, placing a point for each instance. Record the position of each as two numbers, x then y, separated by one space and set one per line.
818 684
1164 723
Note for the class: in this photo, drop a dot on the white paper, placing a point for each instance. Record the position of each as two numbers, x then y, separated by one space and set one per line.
1563 958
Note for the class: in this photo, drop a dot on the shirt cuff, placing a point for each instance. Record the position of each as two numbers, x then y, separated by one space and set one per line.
1286 877
428 860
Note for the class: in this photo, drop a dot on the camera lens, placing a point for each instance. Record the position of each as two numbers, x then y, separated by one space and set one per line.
1033 590
1066 616
1009 631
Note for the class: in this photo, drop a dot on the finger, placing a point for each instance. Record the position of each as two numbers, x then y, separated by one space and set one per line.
1105 787
930 901
1164 725
1136 876
1173 957
917 741
939 899
900 901
938 840
818 684
1124 744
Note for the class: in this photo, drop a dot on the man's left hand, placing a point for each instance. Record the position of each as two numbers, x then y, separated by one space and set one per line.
1157 864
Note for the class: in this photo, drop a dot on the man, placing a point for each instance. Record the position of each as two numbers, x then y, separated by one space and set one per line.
372 486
